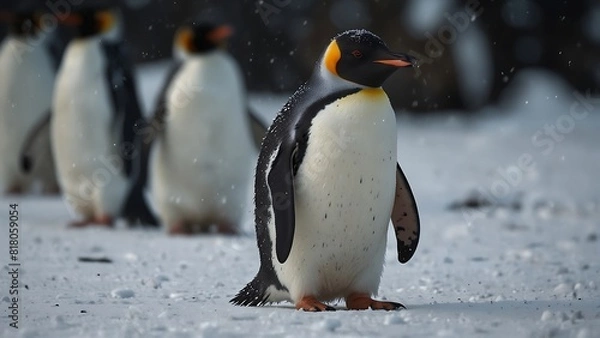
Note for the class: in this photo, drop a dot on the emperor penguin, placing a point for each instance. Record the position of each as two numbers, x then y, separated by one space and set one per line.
204 136
327 183
100 159
28 67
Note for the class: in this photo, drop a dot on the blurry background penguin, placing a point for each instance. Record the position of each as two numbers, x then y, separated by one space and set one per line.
100 160
202 159
29 57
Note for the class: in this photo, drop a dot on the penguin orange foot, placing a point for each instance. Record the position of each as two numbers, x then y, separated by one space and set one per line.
80 224
362 301
15 190
180 228
311 304
226 228
92 221
104 220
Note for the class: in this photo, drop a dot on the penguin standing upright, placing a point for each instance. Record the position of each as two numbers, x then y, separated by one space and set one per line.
28 72
327 183
100 158
202 157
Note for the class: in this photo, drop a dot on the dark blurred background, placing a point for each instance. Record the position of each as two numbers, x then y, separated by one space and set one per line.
469 50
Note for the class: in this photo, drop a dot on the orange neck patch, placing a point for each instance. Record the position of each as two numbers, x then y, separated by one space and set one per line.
373 91
332 56
106 20
185 39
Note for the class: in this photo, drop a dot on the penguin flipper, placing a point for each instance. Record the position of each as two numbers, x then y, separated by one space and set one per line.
257 128
26 157
133 151
134 121
128 119
281 186
405 218
158 120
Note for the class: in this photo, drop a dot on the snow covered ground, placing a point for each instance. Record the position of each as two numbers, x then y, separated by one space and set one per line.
521 261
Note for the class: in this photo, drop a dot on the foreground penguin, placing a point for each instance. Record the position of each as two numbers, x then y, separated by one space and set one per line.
100 160
325 187
202 157
28 68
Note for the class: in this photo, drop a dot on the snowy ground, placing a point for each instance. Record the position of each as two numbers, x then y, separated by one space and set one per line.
523 264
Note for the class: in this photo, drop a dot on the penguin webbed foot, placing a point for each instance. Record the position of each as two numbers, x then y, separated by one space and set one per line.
14 190
226 229
180 228
311 304
101 221
359 301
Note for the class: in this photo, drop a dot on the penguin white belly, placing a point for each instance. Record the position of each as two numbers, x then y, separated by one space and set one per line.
201 165
86 149
25 97
344 191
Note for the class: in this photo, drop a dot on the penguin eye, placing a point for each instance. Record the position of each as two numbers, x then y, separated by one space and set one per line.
357 54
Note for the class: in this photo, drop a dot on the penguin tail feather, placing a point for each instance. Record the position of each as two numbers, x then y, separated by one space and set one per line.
253 294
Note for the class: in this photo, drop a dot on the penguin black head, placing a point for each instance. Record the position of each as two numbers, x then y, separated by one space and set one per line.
20 18
197 38
93 20
23 24
361 57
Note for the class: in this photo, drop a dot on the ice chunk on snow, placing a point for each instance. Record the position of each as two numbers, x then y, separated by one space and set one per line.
547 316
122 293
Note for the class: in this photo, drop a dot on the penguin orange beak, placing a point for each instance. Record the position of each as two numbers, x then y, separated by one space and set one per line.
220 33
398 60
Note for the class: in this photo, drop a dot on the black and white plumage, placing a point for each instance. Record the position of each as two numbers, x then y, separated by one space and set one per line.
324 188
28 66
99 153
203 151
